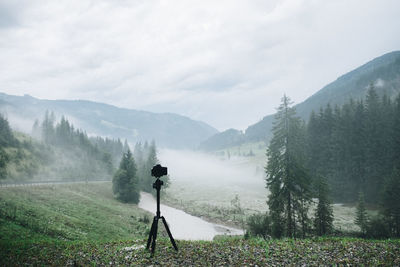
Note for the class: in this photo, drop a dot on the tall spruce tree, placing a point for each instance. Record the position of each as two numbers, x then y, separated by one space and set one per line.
4 159
125 182
323 219
361 214
396 133
391 202
286 176
6 135
373 145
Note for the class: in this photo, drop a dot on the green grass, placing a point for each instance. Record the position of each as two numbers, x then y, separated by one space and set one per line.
214 202
224 252
67 212
82 225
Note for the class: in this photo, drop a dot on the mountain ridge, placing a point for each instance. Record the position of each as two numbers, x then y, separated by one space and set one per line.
382 71
167 129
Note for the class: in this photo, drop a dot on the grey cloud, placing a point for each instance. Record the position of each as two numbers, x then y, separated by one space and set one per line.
223 62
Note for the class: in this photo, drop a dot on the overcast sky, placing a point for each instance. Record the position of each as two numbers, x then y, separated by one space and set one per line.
226 63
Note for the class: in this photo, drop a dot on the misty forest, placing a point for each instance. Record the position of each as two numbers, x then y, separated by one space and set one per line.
145 170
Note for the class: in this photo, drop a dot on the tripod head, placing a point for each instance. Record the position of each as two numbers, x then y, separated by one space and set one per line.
157 184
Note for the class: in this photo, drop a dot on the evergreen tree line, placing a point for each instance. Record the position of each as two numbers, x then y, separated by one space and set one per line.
63 134
351 149
64 153
6 135
355 146
134 173
19 159
6 140
78 156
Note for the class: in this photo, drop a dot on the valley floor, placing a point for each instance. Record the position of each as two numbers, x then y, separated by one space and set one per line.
83 225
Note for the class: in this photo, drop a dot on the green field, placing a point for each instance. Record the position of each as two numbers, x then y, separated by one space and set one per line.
214 203
82 225
225 252
69 212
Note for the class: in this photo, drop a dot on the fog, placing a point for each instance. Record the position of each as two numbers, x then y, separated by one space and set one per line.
206 169
18 123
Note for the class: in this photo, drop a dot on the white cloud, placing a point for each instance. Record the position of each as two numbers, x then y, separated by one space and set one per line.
223 62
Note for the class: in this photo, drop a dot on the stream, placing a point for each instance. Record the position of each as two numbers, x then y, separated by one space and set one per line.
183 225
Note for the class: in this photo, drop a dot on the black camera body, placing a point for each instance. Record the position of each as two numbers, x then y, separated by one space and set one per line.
159 171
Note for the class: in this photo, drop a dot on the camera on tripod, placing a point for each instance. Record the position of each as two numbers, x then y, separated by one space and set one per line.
158 171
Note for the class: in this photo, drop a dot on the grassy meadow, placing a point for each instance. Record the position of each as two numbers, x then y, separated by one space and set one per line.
81 225
69 212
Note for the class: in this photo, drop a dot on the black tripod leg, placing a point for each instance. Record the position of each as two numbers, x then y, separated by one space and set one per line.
151 232
153 244
169 233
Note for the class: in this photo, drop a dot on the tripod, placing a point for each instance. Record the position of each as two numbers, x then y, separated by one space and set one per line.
153 231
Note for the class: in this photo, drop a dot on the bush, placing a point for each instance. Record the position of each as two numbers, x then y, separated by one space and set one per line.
259 225
377 228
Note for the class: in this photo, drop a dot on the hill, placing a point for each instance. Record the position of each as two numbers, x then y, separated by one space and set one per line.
383 72
77 211
167 129
60 152
222 140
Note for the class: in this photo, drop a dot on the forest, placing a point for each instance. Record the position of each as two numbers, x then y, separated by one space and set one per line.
349 154
56 150
355 146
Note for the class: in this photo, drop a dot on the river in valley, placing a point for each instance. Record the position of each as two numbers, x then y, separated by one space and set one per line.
183 225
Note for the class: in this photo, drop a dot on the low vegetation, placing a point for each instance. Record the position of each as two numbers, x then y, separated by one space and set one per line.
225 252
82 224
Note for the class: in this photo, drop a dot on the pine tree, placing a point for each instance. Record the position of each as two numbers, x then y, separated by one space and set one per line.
391 202
358 147
361 214
287 178
4 159
48 127
125 182
323 219
6 135
138 153
314 145
373 145
396 133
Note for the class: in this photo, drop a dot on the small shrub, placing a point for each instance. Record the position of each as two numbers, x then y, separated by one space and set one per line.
377 228
259 225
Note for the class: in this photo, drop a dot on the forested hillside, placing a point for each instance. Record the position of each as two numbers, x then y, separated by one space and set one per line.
356 145
350 153
58 152
383 72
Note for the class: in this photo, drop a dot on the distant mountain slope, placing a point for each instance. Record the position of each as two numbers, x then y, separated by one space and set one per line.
383 72
222 140
167 129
